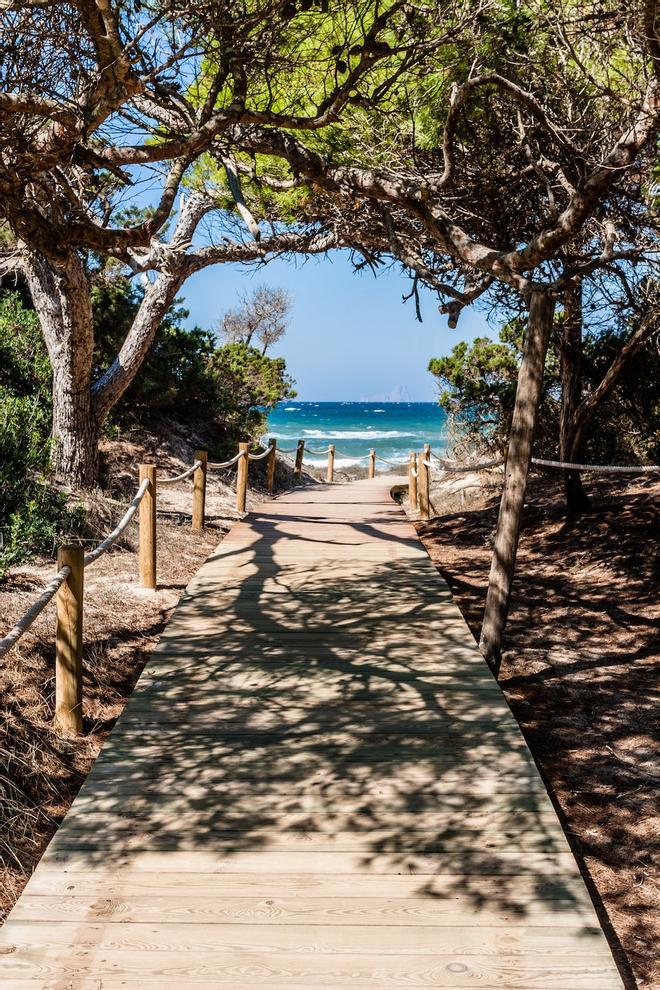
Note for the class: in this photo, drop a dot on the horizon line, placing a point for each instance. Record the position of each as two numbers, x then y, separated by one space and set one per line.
365 402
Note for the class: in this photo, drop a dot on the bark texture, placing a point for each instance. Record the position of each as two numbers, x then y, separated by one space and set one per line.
528 395
61 296
159 296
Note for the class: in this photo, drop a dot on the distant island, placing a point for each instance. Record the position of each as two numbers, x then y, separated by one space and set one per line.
398 394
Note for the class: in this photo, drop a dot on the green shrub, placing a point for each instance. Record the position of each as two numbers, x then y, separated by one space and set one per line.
478 385
173 380
245 383
478 389
186 377
31 514
24 365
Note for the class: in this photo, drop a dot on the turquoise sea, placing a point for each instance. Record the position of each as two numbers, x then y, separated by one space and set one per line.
392 428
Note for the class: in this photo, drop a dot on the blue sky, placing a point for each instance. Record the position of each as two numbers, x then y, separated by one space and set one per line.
350 334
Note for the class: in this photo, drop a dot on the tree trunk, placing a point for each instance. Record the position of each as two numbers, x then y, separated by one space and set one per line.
528 396
75 429
571 394
61 296
111 385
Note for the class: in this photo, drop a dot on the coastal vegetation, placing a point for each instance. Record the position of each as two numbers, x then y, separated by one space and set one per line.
615 405
217 392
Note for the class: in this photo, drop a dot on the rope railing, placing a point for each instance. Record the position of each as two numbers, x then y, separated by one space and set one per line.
391 463
122 525
314 450
36 608
464 468
224 464
49 592
599 468
259 457
355 457
562 465
69 581
180 477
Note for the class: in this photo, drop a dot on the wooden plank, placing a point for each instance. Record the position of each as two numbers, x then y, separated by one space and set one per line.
113 903
518 893
199 938
132 838
466 823
199 860
330 789
256 810
549 972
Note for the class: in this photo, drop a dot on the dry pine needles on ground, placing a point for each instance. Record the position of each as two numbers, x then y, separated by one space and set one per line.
581 675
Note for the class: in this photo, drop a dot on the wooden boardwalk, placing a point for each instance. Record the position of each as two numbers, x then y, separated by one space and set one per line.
317 783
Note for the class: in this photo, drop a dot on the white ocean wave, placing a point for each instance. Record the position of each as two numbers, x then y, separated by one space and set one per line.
349 462
291 409
369 434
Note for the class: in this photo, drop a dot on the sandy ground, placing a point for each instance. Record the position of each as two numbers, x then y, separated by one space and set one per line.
580 671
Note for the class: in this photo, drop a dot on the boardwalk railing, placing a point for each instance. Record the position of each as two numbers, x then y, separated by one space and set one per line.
67 586
420 468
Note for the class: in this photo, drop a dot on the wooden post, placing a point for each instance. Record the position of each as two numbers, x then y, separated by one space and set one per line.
523 423
372 463
242 478
300 453
271 463
423 485
69 641
199 490
412 480
331 463
148 528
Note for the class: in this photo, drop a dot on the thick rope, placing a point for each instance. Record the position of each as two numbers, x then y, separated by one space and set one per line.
392 463
224 464
287 450
98 551
600 468
563 465
355 457
180 477
259 457
34 611
37 607
313 450
463 468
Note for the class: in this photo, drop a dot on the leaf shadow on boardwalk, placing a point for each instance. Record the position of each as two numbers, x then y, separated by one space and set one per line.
315 731
340 726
